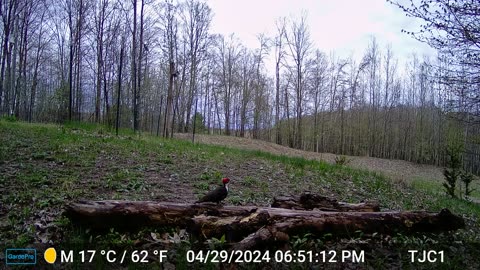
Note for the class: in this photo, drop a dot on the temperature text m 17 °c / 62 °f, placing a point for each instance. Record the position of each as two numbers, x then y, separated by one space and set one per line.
112 256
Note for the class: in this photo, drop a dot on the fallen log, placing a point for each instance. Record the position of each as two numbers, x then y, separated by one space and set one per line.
262 238
237 222
309 201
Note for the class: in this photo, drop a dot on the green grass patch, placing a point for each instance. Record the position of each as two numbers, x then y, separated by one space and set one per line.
438 199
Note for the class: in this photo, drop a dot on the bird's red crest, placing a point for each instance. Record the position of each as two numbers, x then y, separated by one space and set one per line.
225 180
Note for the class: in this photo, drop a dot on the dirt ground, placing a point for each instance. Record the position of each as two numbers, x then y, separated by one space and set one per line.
396 169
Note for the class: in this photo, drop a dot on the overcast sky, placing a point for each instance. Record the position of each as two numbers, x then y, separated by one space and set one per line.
343 26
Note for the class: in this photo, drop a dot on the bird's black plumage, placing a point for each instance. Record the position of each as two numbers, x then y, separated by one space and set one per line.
217 195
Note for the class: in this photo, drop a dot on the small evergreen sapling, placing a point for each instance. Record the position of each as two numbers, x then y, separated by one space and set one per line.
467 179
452 172
451 176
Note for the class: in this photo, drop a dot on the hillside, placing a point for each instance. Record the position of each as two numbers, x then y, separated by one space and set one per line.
396 169
43 167
428 177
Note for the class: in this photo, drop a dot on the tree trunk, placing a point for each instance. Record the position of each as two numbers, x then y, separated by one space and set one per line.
8 19
136 98
134 67
70 64
33 89
278 136
159 114
99 40
169 106
79 55
120 65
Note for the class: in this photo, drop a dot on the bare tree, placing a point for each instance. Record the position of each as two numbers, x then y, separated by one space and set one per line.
40 47
452 27
169 29
119 91
259 86
279 53
8 12
373 55
390 67
139 64
100 18
196 23
317 82
228 54
134 68
298 40
247 76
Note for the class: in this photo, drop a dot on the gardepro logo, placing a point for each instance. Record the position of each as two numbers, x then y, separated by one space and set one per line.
20 256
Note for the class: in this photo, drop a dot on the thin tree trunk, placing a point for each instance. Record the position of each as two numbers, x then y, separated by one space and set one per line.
139 73
278 136
122 51
194 122
79 55
159 114
134 66
70 66
99 62
168 108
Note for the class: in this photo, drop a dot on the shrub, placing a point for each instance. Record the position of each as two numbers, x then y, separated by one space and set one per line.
9 118
341 160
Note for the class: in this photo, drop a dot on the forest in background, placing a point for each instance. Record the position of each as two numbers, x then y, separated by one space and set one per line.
155 66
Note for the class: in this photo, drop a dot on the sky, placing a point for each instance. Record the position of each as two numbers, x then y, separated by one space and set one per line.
343 26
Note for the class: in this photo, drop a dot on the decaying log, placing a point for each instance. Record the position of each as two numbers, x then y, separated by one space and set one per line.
309 201
261 239
316 222
236 222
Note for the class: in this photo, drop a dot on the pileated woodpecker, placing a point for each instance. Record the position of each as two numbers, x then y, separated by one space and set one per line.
218 194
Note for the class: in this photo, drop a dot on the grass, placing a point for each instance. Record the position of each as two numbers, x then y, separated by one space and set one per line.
44 166
439 200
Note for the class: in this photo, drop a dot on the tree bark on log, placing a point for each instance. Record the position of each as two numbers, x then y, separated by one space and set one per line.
237 222
309 201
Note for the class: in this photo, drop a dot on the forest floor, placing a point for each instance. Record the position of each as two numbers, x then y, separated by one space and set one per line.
43 167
